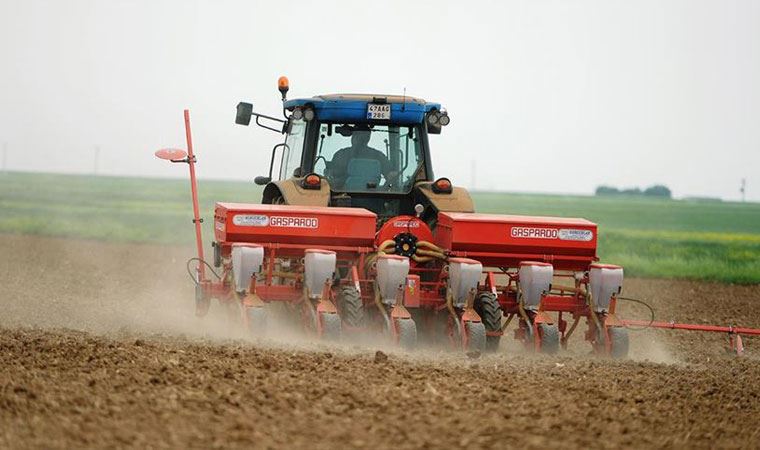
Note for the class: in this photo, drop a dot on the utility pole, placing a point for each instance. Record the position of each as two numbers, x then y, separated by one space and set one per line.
95 163
743 189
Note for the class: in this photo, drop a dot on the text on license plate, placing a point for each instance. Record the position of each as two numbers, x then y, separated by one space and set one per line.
377 111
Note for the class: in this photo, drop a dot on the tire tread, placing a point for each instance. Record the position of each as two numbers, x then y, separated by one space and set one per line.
489 310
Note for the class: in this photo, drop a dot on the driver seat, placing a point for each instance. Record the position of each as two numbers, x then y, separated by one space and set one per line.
362 172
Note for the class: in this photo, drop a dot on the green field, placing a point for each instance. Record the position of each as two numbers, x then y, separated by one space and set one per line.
650 237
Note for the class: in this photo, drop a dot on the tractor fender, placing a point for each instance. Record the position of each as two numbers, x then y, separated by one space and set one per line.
292 193
458 200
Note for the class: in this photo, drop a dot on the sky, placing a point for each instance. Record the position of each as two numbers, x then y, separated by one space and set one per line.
544 96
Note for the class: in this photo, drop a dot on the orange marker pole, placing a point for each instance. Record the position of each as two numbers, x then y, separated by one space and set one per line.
194 188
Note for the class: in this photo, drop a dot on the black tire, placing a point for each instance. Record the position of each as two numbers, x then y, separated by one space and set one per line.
407 333
476 336
256 320
619 343
489 310
279 200
330 326
549 338
351 307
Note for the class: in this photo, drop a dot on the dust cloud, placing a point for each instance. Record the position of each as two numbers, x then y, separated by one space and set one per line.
108 289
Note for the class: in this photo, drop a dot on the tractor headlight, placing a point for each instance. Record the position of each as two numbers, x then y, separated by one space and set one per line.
433 118
444 120
308 114
297 114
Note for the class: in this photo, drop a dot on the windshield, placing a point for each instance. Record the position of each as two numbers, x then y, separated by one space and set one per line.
368 158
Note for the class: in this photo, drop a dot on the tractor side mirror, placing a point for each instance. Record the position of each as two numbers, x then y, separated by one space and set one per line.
262 180
244 113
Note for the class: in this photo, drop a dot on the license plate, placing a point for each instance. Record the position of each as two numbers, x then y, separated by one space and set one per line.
377 111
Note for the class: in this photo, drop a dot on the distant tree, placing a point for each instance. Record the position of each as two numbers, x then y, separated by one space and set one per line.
631 191
658 190
606 190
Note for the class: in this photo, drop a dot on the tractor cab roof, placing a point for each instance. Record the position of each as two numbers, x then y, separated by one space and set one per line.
404 110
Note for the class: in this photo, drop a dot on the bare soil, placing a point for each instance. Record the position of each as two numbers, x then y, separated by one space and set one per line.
99 348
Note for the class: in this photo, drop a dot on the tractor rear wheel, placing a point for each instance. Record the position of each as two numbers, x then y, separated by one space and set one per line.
549 338
256 320
489 310
407 333
476 336
330 326
351 307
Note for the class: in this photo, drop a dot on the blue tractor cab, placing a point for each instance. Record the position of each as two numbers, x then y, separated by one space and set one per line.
365 108
363 150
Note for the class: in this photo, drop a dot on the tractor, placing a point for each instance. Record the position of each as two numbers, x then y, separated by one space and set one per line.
357 232
356 236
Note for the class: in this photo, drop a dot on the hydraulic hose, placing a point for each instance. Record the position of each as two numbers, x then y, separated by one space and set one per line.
430 246
386 245
422 259
649 307
190 273
432 253
426 251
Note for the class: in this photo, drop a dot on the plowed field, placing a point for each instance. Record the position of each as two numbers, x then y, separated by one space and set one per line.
99 348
